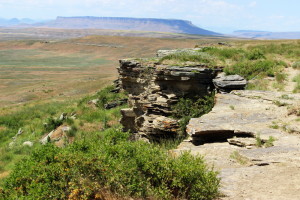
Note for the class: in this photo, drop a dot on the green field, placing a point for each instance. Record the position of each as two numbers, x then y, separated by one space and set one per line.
40 81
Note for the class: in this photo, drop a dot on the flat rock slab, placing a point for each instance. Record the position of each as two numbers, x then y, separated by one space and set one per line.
242 112
266 173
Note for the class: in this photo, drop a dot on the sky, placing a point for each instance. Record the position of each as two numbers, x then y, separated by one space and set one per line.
222 16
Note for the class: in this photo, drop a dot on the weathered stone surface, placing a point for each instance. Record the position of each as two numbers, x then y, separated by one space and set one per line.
114 104
228 83
47 139
153 90
162 53
58 136
241 113
111 105
243 168
165 124
242 142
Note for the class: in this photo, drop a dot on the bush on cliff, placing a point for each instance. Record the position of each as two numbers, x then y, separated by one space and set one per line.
108 163
187 108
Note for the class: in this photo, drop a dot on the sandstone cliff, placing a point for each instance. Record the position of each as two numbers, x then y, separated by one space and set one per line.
153 89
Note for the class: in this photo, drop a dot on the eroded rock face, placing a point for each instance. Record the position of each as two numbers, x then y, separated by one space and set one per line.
154 89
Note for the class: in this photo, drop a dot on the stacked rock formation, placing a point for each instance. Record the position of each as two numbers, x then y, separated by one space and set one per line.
154 89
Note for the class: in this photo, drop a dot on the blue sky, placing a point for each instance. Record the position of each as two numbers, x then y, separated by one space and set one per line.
217 15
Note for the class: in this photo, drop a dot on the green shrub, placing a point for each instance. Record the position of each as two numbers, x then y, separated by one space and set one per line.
108 161
270 142
225 53
193 107
296 65
187 108
255 54
52 123
72 132
280 77
285 49
104 96
259 141
251 69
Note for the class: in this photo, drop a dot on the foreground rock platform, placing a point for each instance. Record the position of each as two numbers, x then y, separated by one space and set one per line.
226 135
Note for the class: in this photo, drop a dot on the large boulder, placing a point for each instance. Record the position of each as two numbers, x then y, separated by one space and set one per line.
227 83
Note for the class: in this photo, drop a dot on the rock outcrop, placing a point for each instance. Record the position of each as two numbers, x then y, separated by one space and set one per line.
242 113
251 138
153 90
228 83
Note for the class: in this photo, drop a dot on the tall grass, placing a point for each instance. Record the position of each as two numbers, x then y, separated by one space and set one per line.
290 49
251 69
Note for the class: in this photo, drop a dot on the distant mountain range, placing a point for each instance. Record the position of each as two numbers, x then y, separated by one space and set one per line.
266 34
138 24
124 23
120 23
15 21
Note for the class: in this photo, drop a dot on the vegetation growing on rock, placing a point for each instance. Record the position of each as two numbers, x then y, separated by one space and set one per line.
188 108
256 61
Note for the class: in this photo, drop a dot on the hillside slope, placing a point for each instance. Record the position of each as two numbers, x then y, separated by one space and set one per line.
123 23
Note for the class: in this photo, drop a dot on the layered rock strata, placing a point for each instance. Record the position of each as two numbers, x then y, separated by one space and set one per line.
154 89
228 83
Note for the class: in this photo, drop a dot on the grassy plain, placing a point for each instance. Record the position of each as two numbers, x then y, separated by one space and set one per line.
59 69
40 79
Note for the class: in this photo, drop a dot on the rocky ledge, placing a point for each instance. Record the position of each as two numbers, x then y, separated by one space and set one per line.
154 88
246 113
231 138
